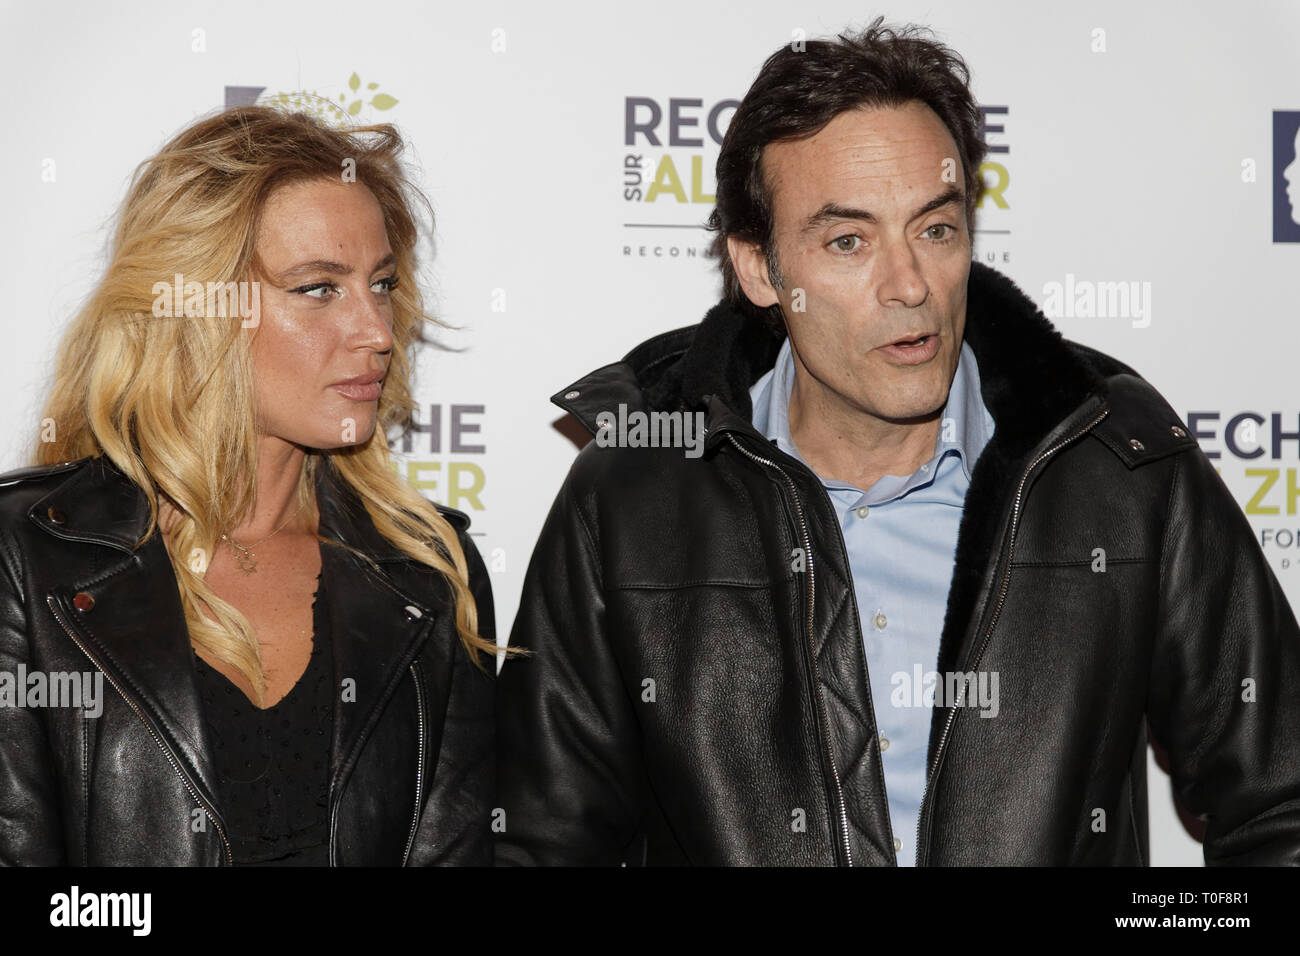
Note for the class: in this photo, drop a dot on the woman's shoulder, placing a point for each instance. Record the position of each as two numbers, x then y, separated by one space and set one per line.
21 488
457 519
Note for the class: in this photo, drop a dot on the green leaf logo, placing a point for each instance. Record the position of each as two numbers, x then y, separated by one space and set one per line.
323 108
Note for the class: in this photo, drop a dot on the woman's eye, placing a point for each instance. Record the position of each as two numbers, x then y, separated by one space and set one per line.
310 290
846 243
382 286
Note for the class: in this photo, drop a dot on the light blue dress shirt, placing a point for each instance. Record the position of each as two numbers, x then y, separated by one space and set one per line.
901 538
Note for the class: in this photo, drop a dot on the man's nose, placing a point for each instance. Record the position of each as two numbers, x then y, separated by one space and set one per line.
901 281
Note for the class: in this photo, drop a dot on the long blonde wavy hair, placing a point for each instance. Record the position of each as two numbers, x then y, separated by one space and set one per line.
171 401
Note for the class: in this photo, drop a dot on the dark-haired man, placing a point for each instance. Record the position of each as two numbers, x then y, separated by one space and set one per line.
937 572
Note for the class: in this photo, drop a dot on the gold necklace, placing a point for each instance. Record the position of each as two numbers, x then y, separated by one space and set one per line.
244 556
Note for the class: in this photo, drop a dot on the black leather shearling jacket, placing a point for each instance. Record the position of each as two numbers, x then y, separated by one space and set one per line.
656 567
411 772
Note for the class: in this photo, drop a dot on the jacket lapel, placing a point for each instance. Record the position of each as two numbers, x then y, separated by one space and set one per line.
376 626
135 630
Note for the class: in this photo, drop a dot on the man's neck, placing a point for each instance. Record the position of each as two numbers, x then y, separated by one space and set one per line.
843 443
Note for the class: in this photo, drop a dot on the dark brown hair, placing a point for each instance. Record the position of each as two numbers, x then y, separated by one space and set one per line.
799 91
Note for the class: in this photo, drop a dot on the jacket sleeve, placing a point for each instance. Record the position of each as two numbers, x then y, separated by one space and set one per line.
1224 698
454 825
569 749
31 832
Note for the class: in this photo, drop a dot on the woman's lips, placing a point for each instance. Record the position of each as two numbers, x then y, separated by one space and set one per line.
927 349
359 393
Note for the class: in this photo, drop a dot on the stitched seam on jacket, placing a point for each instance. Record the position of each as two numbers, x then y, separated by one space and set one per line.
845 704
11 567
1132 815
1078 564
1164 557
591 543
650 586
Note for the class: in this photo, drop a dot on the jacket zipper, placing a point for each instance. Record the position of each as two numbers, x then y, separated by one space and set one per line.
167 752
419 765
993 620
334 819
419 783
812 650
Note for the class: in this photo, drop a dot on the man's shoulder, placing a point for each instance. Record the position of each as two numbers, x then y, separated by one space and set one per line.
1140 425
614 464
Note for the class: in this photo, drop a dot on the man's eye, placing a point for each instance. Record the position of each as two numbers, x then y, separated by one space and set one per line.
949 230
848 243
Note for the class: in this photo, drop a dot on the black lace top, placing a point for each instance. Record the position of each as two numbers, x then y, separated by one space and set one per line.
273 765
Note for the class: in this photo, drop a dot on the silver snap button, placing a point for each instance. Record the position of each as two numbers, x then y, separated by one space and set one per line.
1136 445
1178 432
413 613
572 395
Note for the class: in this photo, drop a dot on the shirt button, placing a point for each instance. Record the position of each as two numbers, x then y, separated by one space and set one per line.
880 621
898 844
863 511
884 744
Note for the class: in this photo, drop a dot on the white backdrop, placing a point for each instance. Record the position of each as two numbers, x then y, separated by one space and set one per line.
1135 144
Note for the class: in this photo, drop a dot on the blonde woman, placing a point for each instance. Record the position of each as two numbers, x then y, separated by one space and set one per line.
230 633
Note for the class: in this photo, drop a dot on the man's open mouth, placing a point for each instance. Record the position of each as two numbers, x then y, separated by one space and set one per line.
911 343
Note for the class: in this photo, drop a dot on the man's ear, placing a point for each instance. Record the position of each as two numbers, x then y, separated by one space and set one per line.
750 264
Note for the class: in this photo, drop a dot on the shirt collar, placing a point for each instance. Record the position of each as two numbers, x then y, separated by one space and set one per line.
965 425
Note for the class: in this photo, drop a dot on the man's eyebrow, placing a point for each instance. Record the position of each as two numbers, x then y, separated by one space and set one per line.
832 211
330 267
